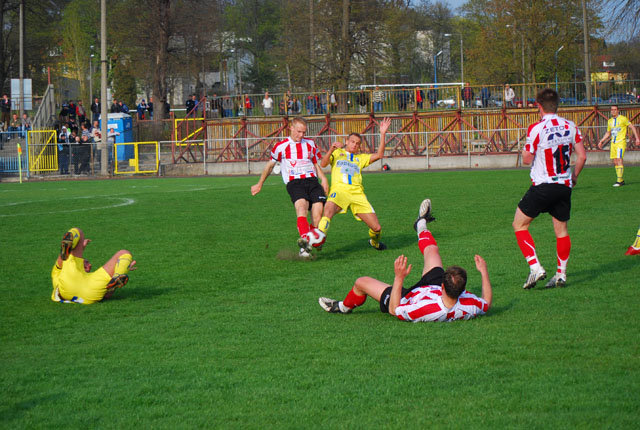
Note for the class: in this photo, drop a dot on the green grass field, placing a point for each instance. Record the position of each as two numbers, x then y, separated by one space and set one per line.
220 327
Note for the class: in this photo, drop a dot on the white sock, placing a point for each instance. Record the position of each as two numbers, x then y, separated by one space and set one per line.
422 225
343 308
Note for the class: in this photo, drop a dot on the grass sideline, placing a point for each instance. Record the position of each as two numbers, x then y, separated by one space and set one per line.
220 327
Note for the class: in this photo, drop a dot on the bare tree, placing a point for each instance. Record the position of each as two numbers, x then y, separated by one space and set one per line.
626 18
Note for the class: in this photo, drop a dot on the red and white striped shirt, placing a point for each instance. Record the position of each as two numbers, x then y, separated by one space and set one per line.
425 304
551 140
296 158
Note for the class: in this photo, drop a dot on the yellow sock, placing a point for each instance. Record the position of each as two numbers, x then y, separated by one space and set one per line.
619 173
636 244
122 265
375 236
324 224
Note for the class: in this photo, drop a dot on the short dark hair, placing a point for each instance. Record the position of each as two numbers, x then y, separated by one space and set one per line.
548 99
358 135
614 105
455 280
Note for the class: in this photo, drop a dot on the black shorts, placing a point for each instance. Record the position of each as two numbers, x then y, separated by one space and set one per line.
552 198
308 189
434 276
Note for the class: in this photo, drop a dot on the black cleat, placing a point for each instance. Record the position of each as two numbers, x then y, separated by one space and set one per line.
424 213
118 281
379 246
66 245
331 306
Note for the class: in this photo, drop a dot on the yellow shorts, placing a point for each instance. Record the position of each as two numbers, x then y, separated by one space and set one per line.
72 283
617 150
346 199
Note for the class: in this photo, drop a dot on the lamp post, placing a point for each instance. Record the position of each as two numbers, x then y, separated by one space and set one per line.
91 74
435 67
522 47
461 54
556 64
585 34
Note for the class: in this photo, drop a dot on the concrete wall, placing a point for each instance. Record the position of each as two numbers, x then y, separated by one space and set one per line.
445 162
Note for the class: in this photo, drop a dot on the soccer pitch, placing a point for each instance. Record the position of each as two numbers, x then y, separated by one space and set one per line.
220 327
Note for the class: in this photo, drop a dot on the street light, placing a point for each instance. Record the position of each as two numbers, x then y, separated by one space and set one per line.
556 65
435 67
461 55
522 47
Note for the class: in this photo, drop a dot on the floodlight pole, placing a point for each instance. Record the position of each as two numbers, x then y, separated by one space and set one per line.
555 62
461 54
585 34
435 67
104 116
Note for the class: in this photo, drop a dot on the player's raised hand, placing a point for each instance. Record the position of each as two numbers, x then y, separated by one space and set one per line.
86 242
336 145
481 265
400 267
132 266
384 125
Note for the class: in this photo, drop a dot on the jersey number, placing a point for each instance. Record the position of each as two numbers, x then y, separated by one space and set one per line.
562 158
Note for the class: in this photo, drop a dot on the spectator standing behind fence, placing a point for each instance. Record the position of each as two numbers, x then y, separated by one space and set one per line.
419 98
63 151
432 95
115 107
467 95
64 112
509 95
81 112
123 107
333 102
96 134
227 106
485 94
72 110
191 106
311 105
95 110
141 108
378 98
5 106
267 104
248 105
323 102
150 107
403 99
216 106
363 101
26 124
14 125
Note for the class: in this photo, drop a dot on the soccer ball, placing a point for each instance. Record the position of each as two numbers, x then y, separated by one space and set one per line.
316 237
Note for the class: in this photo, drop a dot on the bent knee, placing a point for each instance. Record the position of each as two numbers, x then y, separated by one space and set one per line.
123 252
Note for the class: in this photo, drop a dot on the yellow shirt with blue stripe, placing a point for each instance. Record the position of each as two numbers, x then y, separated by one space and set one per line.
618 128
346 168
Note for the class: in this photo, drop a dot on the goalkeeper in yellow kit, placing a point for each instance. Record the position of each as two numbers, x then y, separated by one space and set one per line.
617 130
73 281
346 189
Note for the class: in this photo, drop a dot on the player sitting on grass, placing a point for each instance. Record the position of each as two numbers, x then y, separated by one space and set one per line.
73 280
439 296
346 190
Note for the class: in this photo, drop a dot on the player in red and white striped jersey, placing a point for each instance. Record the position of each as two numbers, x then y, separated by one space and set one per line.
298 158
550 143
440 295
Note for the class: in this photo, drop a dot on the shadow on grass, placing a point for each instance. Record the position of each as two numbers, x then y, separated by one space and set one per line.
15 411
139 292
622 264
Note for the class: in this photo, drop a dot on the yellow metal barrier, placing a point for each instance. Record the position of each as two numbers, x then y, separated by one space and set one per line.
43 151
143 160
177 122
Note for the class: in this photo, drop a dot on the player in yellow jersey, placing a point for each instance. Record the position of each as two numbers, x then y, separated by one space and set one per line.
634 249
73 280
617 130
346 189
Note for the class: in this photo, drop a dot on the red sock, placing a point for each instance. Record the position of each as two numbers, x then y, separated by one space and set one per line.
425 238
352 300
563 249
527 246
303 225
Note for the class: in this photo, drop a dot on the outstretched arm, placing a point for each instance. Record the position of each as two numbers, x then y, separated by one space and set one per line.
581 155
384 126
326 158
323 178
255 189
635 133
487 293
401 270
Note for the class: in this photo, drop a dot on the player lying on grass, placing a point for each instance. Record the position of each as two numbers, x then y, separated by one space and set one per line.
346 190
439 295
73 280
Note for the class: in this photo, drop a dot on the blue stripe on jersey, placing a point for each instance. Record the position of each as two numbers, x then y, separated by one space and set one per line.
350 157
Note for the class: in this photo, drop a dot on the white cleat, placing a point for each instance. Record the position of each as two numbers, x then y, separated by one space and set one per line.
304 254
303 243
424 213
534 277
559 280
